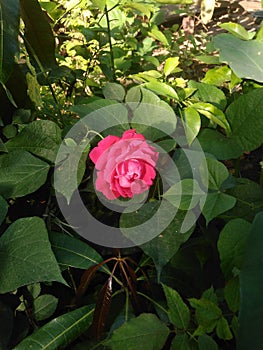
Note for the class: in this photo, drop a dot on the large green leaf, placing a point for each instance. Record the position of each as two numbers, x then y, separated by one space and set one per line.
3 209
165 245
245 116
26 256
38 35
206 342
21 173
41 137
216 143
114 91
145 332
181 342
178 311
231 245
217 173
244 57
251 279
9 29
70 171
70 251
59 332
192 123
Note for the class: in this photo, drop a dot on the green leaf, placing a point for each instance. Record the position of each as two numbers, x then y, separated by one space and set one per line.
162 89
3 209
222 147
251 280
249 197
59 332
245 116
26 256
44 306
216 204
114 91
232 294
34 289
192 123
70 171
21 173
185 194
207 313
170 64
236 52
206 342
178 311
41 137
217 76
237 30
3 148
158 35
38 35
153 117
9 131
165 245
209 93
180 342
213 113
70 251
223 330
145 332
231 245
217 173
9 30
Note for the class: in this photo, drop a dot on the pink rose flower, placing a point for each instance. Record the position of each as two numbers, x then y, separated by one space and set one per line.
125 166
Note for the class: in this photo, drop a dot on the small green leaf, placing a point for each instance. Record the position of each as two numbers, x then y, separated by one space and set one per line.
145 332
207 313
44 306
251 281
217 76
114 91
185 194
59 332
34 289
192 123
3 209
209 93
26 255
206 342
170 64
237 30
70 251
216 204
41 137
162 89
21 173
217 173
178 311
9 131
223 330
231 245
158 35
213 113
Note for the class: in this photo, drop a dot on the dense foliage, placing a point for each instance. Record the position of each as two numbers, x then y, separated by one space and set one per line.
196 284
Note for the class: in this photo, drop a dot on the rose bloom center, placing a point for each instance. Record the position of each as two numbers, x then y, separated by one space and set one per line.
128 171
